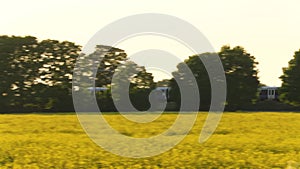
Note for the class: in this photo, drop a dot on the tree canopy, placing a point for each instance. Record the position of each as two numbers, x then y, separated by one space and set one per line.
241 76
291 81
37 75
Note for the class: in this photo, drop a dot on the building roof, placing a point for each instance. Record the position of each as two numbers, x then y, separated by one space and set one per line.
268 87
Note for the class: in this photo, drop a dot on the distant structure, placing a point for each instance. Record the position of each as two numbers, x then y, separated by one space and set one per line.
163 92
94 90
268 93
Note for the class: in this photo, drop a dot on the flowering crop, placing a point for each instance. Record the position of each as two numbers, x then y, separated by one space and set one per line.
242 140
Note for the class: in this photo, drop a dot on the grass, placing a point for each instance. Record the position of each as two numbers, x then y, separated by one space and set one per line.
242 140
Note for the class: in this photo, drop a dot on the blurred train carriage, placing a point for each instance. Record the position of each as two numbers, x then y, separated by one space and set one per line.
268 93
162 93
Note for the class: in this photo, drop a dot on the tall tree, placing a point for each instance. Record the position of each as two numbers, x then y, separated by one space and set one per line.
241 75
240 71
291 81
110 60
100 65
110 63
199 72
36 75
98 68
15 61
52 80
134 81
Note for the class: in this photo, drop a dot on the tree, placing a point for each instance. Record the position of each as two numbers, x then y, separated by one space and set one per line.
291 81
199 72
241 76
99 66
36 75
52 81
15 68
108 63
240 71
132 83
110 60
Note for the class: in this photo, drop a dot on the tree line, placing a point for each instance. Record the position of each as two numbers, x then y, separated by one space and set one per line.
37 76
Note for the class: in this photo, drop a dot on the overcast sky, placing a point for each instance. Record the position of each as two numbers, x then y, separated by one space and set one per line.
269 30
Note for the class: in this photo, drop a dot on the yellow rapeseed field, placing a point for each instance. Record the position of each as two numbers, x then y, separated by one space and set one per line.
242 140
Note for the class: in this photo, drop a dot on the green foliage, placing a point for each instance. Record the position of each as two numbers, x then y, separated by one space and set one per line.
241 76
133 80
110 61
14 67
240 71
37 75
199 72
98 68
291 81
113 70
242 140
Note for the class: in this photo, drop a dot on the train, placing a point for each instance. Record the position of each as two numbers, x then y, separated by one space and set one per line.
268 93
265 92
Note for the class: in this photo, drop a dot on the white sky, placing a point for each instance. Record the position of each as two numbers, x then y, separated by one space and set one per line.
269 30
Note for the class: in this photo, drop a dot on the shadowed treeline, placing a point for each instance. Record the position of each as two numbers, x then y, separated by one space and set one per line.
36 76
